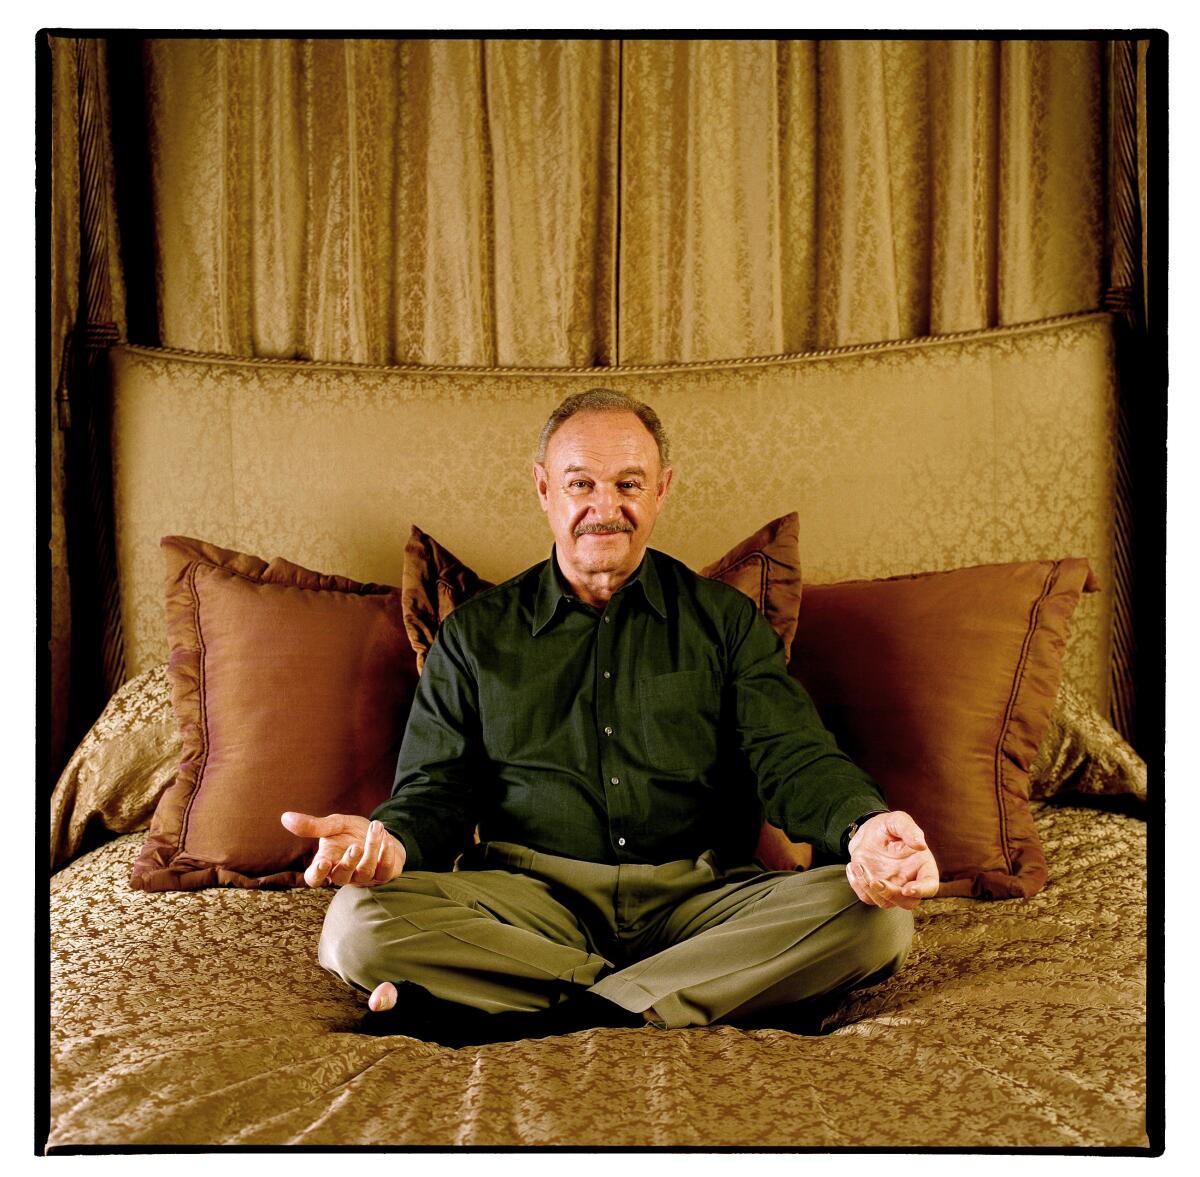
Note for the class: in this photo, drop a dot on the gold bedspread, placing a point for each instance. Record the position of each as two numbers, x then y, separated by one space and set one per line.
203 1018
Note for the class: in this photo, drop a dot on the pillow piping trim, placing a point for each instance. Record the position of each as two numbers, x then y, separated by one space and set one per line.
1018 681
202 691
764 575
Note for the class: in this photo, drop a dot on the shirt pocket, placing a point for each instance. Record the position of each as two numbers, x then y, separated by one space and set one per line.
680 713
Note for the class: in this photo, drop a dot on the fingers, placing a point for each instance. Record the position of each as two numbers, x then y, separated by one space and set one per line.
363 858
318 870
339 849
391 861
364 872
893 833
328 866
367 864
853 873
894 892
883 894
924 882
875 892
343 870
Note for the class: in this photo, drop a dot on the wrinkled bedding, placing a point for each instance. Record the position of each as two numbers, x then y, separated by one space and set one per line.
203 1018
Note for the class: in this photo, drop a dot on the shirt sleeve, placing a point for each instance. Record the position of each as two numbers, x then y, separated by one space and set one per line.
808 787
434 802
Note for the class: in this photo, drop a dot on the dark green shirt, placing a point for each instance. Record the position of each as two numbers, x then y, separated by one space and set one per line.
664 725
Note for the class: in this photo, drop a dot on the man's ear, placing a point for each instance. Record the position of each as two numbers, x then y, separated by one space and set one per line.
664 484
541 483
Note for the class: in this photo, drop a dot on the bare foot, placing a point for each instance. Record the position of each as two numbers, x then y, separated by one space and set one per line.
382 997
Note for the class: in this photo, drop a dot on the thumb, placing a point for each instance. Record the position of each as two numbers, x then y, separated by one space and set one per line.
304 825
922 888
902 826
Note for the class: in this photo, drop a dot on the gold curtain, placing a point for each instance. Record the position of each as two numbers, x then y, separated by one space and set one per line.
590 202
1142 381
386 201
64 297
85 312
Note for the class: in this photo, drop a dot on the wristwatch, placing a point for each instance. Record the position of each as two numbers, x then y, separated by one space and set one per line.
852 829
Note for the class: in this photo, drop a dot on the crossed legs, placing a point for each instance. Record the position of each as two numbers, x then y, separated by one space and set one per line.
681 942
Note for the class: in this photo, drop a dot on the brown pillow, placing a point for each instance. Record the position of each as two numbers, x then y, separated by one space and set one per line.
435 582
941 686
291 689
765 566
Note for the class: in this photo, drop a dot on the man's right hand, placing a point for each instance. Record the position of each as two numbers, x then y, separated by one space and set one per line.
351 849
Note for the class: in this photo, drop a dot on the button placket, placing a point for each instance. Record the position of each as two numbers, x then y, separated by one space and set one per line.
611 771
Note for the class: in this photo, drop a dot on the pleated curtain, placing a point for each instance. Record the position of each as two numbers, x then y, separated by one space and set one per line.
84 313
508 202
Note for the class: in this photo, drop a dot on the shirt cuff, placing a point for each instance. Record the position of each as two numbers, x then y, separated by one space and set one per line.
412 852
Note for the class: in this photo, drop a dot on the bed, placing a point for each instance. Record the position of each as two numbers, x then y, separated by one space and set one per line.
194 1012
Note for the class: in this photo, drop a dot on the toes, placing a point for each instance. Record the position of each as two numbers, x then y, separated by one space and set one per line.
383 997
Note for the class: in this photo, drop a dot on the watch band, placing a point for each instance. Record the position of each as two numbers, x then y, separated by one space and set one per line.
852 829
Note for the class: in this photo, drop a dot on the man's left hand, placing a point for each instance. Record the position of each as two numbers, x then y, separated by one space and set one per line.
890 864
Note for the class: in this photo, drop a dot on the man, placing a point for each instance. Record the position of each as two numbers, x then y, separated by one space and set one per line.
617 726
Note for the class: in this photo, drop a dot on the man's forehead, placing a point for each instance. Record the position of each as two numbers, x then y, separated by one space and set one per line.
595 436
574 467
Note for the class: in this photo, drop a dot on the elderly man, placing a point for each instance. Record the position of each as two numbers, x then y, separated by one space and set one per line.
616 726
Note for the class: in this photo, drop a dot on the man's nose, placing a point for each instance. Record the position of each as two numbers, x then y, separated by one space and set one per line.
606 503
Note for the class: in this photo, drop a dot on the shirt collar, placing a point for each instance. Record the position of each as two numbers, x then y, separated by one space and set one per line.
553 590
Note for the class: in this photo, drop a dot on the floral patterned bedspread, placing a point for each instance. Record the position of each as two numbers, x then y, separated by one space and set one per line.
203 1018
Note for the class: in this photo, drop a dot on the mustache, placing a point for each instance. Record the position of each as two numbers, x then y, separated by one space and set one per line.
603 528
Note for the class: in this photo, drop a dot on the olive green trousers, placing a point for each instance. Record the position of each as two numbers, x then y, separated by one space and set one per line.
517 929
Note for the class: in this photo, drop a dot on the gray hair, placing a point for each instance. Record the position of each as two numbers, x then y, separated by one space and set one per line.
603 400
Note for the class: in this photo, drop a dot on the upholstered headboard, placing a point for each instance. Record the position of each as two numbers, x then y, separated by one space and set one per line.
929 454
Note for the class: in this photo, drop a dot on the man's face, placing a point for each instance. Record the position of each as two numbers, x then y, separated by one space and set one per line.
602 487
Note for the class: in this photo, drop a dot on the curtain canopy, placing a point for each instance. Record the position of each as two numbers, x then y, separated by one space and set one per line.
510 202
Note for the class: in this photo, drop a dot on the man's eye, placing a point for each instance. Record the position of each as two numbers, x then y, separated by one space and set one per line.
629 485
577 484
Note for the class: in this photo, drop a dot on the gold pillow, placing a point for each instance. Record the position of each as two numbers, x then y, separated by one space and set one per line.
1083 754
117 774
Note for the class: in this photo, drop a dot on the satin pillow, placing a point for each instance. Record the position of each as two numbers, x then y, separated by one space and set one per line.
291 689
941 686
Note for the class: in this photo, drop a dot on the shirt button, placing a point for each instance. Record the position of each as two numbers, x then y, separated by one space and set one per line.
608 731
620 841
607 674
615 780
607 620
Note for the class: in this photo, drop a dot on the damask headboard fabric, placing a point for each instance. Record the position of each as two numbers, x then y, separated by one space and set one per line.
931 454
